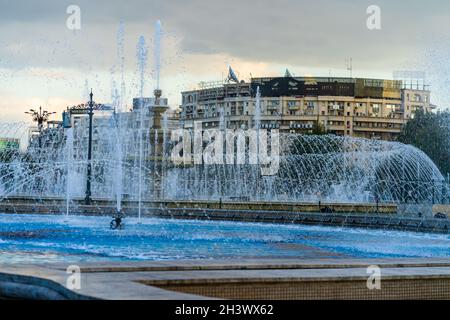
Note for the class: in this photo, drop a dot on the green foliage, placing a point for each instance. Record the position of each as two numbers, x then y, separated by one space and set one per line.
318 128
430 132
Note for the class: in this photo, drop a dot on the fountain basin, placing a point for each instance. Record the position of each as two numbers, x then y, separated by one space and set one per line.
89 239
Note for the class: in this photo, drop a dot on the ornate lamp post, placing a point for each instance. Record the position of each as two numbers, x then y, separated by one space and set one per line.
88 198
88 108
40 117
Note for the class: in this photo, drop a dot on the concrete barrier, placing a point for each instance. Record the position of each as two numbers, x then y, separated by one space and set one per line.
381 216
55 205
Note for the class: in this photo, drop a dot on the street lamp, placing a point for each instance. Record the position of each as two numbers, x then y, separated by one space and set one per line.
88 108
88 199
40 117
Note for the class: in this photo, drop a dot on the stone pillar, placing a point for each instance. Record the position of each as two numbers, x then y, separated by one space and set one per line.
156 134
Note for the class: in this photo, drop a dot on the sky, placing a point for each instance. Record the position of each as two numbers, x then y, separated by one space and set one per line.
45 63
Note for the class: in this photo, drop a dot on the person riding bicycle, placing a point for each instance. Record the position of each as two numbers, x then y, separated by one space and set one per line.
116 223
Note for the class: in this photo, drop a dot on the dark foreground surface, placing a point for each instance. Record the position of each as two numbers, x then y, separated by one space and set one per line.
256 279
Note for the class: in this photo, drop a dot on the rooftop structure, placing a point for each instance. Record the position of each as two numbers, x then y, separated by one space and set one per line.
358 107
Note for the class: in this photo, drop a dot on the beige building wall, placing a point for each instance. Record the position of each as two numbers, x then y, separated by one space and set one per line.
377 118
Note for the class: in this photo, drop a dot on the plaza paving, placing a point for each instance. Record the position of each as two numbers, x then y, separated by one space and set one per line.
246 279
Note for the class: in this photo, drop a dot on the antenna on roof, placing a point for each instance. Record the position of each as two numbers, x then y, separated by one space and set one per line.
232 76
350 66
287 74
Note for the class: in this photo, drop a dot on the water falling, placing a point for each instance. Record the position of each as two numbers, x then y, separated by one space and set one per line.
222 124
155 161
69 174
117 121
327 167
157 52
257 120
338 169
257 116
117 130
121 61
142 62
165 127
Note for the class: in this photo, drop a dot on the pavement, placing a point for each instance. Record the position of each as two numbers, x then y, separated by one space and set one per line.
177 280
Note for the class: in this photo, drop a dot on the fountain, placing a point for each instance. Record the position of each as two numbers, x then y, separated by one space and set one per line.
69 174
118 181
121 62
164 150
131 173
131 162
142 58
157 52
313 168
257 120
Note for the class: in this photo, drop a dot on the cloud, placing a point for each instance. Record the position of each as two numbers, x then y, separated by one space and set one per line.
202 36
317 33
13 106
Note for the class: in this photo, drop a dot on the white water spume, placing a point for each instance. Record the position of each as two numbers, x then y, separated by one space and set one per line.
312 168
121 62
157 52
257 117
320 168
69 173
142 61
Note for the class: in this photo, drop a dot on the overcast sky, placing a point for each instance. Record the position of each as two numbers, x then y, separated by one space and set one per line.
42 62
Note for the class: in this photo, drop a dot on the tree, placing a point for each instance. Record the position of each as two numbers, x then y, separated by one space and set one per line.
430 132
318 128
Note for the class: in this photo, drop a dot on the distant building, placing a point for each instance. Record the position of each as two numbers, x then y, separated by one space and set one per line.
369 108
49 138
106 123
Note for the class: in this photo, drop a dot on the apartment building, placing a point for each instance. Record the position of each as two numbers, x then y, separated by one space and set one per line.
370 108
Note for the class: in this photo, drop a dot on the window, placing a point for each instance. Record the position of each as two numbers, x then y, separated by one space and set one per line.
376 108
291 104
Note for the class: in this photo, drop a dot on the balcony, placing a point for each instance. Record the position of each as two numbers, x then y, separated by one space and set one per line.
293 106
377 129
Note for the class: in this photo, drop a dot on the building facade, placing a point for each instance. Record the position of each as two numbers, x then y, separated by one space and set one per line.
369 108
